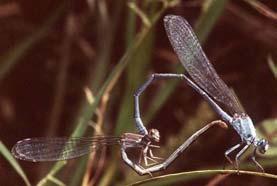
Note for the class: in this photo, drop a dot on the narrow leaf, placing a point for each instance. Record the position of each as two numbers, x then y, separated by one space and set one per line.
9 157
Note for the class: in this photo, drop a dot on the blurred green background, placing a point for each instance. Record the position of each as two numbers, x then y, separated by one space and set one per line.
71 68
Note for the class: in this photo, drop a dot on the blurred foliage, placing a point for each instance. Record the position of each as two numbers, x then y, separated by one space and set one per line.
270 127
71 68
272 66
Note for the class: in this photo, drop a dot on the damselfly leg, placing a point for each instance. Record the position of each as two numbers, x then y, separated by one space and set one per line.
163 165
253 157
231 150
237 159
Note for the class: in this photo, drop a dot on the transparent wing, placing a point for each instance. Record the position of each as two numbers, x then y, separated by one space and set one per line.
191 55
60 148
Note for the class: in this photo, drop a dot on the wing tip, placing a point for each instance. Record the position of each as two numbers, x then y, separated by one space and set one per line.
176 18
17 150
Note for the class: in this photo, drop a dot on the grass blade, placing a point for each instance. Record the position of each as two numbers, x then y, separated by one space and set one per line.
9 157
211 12
138 41
272 65
186 176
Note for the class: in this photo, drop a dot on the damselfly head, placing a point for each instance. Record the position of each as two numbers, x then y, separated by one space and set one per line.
262 145
154 134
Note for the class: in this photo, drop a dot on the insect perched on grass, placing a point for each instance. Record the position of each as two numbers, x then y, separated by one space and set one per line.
205 80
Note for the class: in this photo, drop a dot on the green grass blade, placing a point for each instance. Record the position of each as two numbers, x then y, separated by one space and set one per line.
135 74
56 181
143 17
138 41
130 27
107 26
9 157
211 13
79 172
136 71
272 66
56 168
186 176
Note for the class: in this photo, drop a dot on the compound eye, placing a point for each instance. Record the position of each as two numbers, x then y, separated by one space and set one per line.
155 134
263 146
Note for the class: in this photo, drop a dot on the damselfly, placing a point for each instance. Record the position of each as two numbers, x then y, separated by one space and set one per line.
207 83
64 148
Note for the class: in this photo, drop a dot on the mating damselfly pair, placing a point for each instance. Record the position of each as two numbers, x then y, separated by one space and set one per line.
202 78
